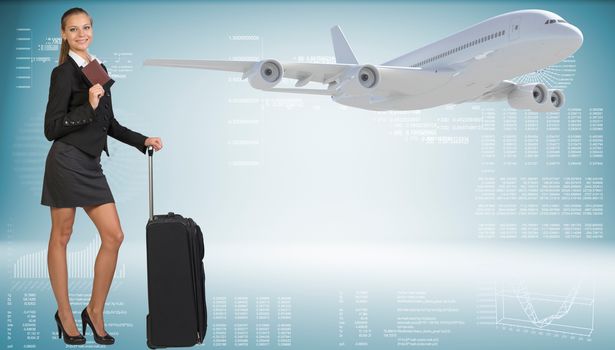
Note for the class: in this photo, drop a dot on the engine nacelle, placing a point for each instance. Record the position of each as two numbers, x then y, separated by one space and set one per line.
528 96
557 98
536 97
360 80
368 76
265 74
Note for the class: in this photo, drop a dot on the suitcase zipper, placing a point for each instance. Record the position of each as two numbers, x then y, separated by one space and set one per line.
191 225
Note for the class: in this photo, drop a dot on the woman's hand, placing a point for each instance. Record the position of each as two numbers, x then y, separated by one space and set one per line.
96 92
155 142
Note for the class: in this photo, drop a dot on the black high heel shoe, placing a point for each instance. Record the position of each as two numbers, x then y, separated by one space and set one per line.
68 339
85 319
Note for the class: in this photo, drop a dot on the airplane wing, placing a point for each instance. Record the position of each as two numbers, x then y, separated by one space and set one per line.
317 72
499 92
303 72
340 78
266 74
229 66
460 66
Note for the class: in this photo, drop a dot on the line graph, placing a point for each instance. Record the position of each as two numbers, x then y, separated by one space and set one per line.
572 313
528 307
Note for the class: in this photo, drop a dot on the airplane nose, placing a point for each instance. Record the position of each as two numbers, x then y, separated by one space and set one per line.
572 34
576 34
570 38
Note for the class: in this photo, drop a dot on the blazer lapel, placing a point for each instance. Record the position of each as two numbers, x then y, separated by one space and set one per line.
78 69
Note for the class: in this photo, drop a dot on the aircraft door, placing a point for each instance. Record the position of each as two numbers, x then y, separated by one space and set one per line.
515 29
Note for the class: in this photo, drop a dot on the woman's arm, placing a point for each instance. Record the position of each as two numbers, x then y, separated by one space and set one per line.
58 121
127 136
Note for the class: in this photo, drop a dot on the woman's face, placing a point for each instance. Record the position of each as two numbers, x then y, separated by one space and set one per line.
78 32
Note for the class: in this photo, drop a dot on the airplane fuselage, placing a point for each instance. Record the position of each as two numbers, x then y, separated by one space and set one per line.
473 61
475 64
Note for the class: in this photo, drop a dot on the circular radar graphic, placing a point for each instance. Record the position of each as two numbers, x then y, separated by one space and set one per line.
558 76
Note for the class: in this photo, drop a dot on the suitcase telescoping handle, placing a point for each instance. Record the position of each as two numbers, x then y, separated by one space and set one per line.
150 170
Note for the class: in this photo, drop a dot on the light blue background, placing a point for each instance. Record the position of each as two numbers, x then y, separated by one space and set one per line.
335 204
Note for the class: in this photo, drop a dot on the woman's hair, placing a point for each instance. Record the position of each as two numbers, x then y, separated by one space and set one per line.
64 48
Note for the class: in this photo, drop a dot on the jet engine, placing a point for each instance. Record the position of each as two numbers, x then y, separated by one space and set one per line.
360 79
536 97
529 96
557 98
265 74
368 76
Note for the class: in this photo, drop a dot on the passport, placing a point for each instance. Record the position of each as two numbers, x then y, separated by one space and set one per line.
96 74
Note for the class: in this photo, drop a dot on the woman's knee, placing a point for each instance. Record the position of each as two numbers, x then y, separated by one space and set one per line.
61 234
113 238
62 220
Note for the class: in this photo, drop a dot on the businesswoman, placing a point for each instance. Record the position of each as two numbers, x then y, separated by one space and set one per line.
78 119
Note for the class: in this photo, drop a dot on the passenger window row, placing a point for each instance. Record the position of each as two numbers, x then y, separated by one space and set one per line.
460 48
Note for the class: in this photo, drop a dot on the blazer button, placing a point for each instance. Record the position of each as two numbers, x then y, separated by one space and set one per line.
90 119
66 122
106 106
104 128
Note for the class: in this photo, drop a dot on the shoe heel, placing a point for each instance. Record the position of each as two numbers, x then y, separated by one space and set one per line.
68 339
84 325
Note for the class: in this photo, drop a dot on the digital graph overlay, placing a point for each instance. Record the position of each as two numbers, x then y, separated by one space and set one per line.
80 263
572 314
557 76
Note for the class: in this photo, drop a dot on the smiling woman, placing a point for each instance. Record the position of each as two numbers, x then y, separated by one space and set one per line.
76 35
78 119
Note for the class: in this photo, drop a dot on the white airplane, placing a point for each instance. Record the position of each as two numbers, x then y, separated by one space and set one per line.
471 65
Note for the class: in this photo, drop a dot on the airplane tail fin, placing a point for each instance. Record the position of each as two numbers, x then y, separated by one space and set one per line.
343 52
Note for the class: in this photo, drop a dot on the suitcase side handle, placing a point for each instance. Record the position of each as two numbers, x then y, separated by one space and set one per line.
150 171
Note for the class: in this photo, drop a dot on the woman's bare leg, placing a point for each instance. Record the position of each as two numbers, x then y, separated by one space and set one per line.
108 224
62 220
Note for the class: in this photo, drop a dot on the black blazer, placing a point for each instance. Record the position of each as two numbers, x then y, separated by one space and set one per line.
70 118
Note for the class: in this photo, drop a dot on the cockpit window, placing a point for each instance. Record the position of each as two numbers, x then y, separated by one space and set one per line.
550 21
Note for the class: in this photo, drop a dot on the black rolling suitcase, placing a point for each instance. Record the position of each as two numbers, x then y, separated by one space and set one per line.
175 278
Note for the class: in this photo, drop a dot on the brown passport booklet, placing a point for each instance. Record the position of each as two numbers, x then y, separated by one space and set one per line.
96 73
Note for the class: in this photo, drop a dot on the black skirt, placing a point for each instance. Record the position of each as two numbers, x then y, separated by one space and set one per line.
73 178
